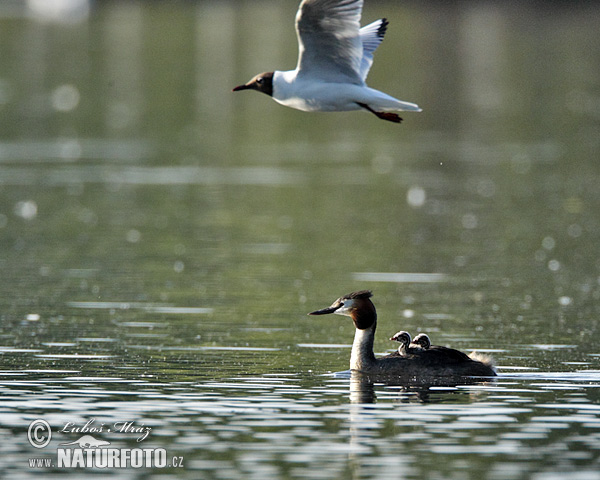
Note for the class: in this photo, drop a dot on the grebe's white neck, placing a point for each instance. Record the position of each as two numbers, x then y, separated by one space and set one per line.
358 306
362 356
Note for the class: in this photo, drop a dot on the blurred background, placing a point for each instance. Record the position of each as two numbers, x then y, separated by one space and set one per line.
162 238
130 172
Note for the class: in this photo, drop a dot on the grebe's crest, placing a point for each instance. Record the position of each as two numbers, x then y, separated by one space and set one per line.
359 294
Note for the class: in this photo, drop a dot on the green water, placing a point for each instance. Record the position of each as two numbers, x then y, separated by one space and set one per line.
162 239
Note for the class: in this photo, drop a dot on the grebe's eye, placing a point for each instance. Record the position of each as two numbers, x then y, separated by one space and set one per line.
259 80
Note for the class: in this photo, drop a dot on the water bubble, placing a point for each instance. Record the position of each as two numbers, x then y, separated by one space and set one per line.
133 236
178 266
408 313
548 243
564 301
3 220
554 265
469 221
65 98
70 149
26 209
416 196
32 317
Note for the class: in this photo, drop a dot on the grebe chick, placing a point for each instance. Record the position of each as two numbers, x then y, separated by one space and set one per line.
430 363
407 346
422 340
404 339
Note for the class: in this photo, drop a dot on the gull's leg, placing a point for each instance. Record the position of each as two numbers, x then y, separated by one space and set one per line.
389 116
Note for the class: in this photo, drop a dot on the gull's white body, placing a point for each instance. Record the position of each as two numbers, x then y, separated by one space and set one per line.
305 94
334 59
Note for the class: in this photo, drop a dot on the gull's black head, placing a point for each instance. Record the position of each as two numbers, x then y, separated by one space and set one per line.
263 82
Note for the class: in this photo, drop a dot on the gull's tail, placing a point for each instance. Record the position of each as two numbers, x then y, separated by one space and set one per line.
408 107
383 102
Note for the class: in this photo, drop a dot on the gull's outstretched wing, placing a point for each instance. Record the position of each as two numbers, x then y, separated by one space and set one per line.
329 40
371 36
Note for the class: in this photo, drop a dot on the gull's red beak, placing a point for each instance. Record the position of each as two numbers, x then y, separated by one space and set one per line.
241 87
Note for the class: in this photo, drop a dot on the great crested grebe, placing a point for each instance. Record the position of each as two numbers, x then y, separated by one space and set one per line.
430 363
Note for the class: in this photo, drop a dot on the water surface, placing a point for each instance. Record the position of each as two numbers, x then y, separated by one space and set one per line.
162 239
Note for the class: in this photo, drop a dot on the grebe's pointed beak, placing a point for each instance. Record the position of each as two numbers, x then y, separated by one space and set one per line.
325 311
338 307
